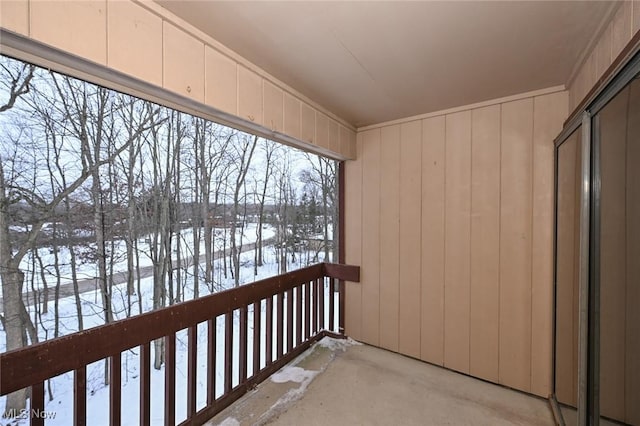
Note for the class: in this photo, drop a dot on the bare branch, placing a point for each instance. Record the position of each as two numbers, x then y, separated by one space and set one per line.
19 86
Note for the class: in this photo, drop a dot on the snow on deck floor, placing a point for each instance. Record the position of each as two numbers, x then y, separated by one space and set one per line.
361 384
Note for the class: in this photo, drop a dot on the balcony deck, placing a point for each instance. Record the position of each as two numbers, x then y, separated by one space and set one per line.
327 381
336 383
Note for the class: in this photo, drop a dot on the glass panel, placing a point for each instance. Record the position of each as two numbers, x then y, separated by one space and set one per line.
568 227
619 136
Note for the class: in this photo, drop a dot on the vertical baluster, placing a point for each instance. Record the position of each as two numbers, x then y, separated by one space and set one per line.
332 311
145 384
289 320
307 310
80 396
257 316
115 394
280 325
211 361
228 351
192 363
242 370
299 315
321 296
170 379
316 297
341 307
269 331
37 404
314 314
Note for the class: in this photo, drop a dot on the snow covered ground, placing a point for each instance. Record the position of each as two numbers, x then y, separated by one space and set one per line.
98 394
86 269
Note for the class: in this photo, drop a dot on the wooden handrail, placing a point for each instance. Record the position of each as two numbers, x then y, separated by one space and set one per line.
32 365
342 272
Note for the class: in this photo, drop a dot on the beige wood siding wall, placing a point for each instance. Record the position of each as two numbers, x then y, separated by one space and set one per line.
143 40
605 48
451 218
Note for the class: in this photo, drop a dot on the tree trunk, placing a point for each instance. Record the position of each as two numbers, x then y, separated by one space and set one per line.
243 163
12 304
99 219
137 254
74 270
263 195
12 281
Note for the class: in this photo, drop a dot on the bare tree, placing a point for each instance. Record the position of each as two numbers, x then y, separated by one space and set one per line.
161 205
213 149
285 200
57 138
90 115
16 318
130 113
321 178
270 148
242 162
19 79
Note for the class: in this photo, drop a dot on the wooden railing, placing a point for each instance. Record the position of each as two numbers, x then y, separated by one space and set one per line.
305 292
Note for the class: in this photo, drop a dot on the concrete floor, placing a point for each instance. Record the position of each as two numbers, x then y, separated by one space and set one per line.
339 383
570 418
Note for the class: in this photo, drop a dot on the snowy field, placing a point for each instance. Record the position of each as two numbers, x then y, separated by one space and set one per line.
88 269
98 393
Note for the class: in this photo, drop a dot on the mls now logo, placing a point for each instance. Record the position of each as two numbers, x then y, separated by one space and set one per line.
24 414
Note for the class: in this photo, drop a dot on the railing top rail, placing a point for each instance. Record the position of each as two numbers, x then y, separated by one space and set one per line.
33 364
342 272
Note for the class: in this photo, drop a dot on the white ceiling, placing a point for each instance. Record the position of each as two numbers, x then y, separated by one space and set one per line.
370 62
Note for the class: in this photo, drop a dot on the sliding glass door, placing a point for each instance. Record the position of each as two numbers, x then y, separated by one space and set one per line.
597 282
617 255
